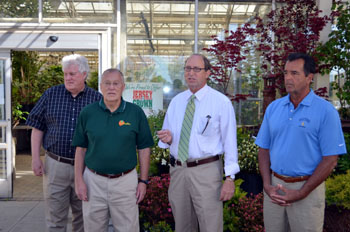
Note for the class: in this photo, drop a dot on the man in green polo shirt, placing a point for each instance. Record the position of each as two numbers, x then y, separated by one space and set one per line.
107 135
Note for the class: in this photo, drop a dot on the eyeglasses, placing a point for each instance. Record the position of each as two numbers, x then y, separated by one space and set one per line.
195 69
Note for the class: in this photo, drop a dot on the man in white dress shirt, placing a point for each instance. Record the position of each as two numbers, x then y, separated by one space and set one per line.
196 191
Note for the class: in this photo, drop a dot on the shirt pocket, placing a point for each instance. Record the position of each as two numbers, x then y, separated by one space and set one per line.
207 135
207 127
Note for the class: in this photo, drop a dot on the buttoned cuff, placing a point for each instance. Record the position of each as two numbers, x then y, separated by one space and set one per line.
163 145
231 170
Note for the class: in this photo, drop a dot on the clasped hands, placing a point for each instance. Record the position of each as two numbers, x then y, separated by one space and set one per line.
283 196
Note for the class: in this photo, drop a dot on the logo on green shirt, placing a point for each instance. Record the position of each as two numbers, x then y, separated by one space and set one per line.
122 123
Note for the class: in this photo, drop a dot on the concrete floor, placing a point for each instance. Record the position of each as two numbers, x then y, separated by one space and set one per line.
27 187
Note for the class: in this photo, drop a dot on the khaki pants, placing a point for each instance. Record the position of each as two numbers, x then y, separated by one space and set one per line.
59 193
111 198
304 215
194 195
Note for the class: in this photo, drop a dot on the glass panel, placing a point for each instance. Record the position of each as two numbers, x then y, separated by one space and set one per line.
2 164
159 37
19 11
2 117
79 11
214 19
2 90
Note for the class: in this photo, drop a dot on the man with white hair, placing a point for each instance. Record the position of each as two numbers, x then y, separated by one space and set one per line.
53 120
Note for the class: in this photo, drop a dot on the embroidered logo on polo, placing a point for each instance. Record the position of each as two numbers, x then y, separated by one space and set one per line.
303 122
122 123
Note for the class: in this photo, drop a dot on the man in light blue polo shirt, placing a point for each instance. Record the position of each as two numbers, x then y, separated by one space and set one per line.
300 140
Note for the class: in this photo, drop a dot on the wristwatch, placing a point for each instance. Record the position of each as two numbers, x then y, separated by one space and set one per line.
229 178
146 182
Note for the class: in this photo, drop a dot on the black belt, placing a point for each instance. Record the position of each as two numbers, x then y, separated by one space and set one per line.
60 158
111 176
195 162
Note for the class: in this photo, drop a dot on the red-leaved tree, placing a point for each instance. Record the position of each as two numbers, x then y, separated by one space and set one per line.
294 26
228 53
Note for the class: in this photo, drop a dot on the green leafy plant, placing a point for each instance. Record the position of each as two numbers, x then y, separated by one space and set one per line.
243 213
338 190
161 226
344 160
92 81
159 156
30 78
18 114
25 75
248 155
231 219
334 55
22 8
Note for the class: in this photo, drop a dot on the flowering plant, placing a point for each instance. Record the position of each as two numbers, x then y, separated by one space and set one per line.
250 212
248 155
155 207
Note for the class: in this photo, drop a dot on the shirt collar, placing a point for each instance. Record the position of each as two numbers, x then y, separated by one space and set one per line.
306 101
120 109
79 94
200 94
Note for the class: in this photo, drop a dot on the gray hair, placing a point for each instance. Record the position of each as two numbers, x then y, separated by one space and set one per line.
76 59
113 70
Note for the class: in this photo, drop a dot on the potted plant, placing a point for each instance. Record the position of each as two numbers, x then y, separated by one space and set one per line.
334 55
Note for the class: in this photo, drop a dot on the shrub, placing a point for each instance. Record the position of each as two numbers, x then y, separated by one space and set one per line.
155 207
250 213
248 155
161 226
230 218
344 160
338 190
159 156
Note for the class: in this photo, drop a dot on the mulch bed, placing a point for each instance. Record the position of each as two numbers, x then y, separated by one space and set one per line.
336 219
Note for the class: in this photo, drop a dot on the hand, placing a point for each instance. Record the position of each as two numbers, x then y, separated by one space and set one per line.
81 190
274 191
38 167
140 192
227 190
286 196
165 136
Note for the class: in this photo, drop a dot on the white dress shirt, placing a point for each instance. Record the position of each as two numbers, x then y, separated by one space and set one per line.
218 137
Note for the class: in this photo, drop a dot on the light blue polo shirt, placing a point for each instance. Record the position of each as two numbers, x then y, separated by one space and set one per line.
298 138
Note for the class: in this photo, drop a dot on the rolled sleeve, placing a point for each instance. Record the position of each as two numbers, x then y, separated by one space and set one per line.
229 137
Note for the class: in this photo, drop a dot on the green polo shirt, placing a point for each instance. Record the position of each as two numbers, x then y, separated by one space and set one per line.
111 138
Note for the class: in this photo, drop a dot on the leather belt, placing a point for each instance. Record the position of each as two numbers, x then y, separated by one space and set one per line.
60 158
197 162
288 179
111 176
